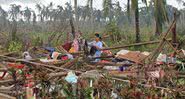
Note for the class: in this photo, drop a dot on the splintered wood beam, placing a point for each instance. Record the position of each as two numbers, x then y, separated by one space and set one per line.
145 85
3 69
38 64
135 44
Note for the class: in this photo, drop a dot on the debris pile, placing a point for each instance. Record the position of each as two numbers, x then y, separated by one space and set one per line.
128 74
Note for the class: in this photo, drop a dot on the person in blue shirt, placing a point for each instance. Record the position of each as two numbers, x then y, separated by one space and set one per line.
96 47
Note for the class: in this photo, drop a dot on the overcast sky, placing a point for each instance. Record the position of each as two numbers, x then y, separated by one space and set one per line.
97 3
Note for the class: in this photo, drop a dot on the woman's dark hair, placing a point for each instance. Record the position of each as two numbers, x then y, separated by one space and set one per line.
98 35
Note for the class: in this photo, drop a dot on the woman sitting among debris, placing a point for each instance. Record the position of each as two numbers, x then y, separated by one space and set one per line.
96 47
75 44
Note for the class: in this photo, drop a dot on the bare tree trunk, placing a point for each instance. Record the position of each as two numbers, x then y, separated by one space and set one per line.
76 13
72 27
137 24
158 27
14 30
92 18
174 34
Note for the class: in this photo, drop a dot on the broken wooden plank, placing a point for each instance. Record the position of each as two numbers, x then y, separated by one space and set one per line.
38 64
4 96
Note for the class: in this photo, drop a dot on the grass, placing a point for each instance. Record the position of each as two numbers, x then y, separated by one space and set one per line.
127 34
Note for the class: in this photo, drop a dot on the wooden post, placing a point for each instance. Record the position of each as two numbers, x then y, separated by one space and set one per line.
174 33
72 27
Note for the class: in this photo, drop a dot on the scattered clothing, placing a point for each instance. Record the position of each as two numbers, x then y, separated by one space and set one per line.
59 56
47 60
162 58
75 46
50 49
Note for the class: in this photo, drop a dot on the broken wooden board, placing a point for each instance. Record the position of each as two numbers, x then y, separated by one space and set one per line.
133 56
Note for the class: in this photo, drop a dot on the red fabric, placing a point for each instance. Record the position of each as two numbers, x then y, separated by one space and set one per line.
17 66
64 58
1 77
67 46
29 83
104 61
108 52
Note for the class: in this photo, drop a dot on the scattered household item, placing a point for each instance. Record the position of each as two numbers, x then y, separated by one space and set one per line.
162 58
91 74
71 78
48 60
59 56
111 68
171 60
50 49
70 56
122 68
26 55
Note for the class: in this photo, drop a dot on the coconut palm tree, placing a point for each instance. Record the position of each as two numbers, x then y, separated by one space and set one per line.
34 18
39 8
86 13
90 6
60 13
27 14
15 11
3 16
117 12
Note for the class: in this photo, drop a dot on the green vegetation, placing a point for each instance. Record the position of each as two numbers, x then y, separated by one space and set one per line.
15 46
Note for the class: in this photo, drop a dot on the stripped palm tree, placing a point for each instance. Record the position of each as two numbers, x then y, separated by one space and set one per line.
160 14
135 7
34 18
90 3
108 9
27 14
3 16
14 13
76 13
40 10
